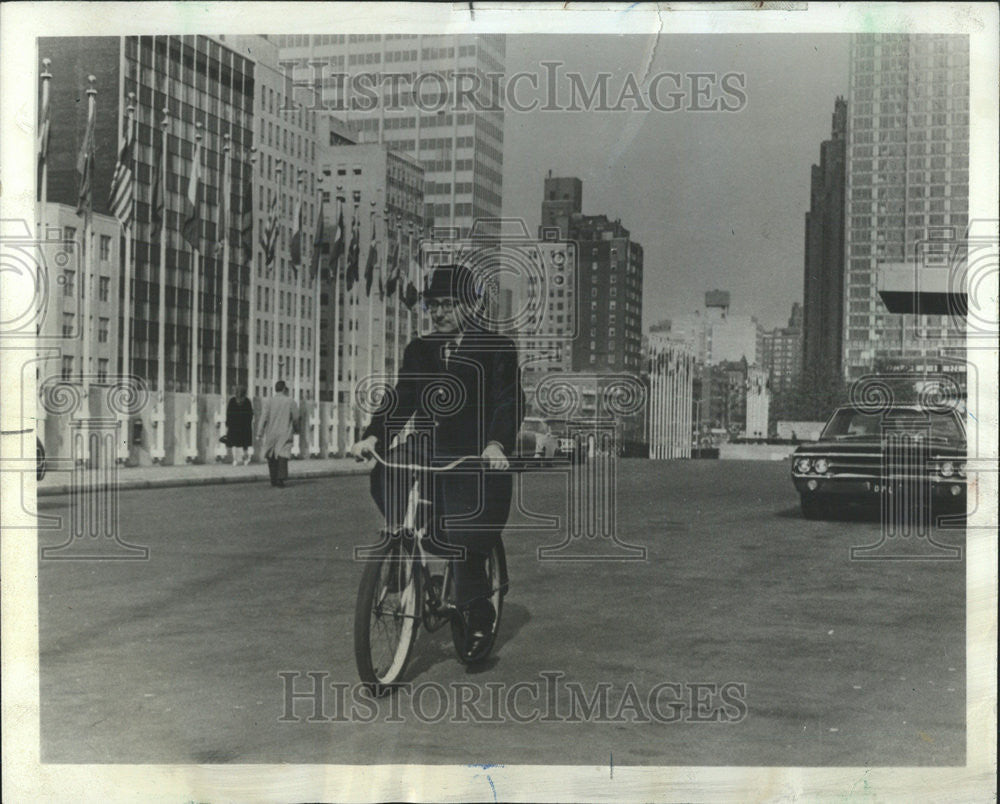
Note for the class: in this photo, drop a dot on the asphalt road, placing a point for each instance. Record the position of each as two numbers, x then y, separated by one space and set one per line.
757 638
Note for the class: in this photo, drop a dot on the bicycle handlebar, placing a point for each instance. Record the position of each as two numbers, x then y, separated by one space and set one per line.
472 461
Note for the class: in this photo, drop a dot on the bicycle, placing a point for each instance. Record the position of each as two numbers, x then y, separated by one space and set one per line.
399 590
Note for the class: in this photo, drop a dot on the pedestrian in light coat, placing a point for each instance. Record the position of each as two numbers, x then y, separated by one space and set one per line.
277 426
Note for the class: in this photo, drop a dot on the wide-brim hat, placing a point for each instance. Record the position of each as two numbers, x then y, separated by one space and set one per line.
452 281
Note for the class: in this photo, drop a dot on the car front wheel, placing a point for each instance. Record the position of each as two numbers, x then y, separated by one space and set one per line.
813 507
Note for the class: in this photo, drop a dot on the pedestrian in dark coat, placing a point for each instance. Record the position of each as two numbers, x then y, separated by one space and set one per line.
239 425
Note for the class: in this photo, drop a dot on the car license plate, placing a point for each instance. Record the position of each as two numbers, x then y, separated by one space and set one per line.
880 488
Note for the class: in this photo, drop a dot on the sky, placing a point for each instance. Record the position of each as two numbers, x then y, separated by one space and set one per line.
717 200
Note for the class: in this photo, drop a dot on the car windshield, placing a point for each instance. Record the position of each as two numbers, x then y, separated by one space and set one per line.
849 423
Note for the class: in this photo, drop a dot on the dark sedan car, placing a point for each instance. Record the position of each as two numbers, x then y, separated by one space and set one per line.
860 456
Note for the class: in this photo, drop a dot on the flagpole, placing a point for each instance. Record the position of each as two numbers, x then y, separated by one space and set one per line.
251 346
371 302
196 283
297 313
161 357
224 227
355 293
316 282
336 329
129 255
410 315
397 329
278 172
88 247
383 299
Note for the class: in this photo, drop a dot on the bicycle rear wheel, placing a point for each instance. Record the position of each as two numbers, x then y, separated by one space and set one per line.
496 573
386 618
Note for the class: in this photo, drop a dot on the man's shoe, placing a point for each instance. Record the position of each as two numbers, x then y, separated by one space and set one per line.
479 617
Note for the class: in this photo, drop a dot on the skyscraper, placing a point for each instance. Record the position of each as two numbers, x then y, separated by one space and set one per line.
907 183
461 150
823 285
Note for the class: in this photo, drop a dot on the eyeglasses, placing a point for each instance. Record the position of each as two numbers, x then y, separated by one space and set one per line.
433 305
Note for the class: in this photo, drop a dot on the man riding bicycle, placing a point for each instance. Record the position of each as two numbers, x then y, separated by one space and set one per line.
477 369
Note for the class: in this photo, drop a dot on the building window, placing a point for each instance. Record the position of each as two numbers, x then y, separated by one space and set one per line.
69 278
67 325
102 370
67 367
102 330
104 287
105 248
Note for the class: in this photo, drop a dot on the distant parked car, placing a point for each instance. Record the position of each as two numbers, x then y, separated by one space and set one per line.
861 456
566 444
535 440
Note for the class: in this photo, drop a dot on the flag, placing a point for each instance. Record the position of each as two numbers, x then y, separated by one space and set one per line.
338 244
222 233
353 254
269 237
122 188
317 244
246 215
371 263
392 264
411 294
191 229
297 233
85 165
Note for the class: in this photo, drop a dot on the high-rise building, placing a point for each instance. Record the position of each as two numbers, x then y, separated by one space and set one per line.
823 287
609 296
563 198
198 80
781 355
460 149
907 183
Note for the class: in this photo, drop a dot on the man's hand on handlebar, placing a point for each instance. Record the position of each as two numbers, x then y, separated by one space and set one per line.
494 454
363 449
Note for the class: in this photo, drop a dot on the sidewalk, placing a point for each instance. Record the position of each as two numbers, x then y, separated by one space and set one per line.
58 480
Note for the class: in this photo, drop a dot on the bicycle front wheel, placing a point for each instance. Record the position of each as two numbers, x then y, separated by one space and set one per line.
386 618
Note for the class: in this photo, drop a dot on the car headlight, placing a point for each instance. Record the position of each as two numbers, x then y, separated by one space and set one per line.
947 469
803 465
961 469
821 465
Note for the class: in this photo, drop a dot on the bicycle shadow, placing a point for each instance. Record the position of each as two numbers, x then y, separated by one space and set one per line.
438 648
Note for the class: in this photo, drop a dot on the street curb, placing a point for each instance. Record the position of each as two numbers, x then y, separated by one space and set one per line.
215 480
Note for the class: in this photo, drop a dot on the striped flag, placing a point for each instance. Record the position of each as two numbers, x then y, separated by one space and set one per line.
297 235
269 237
317 244
222 233
122 185
85 165
192 201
